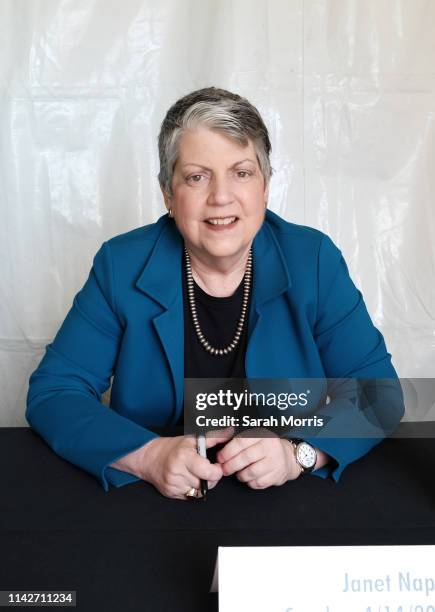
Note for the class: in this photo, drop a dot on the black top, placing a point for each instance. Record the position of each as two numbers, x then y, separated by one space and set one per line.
218 318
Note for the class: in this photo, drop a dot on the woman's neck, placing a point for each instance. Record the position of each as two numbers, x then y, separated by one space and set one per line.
221 280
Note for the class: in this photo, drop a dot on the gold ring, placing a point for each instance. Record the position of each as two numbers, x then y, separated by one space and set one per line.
191 493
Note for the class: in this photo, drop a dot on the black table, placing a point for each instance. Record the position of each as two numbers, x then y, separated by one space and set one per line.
132 549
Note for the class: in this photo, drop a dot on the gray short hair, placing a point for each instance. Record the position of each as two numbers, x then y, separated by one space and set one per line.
219 110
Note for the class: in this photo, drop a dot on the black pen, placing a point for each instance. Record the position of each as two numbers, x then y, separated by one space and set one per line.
202 451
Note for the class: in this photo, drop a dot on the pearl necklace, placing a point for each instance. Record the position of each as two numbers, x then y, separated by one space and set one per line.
190 291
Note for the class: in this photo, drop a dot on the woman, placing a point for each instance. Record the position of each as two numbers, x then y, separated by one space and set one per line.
218 287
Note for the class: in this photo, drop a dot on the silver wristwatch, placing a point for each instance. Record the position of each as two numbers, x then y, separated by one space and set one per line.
305 454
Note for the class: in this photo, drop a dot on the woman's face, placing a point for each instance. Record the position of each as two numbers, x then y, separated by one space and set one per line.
217 179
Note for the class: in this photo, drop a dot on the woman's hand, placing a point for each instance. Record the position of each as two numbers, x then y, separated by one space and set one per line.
173 465
261 462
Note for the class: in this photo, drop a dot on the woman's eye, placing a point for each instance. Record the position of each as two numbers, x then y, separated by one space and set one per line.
194 178
243 173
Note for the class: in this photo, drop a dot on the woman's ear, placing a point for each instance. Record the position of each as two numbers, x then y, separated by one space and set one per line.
167 198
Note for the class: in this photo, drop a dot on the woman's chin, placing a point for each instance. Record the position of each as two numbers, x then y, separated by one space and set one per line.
223 251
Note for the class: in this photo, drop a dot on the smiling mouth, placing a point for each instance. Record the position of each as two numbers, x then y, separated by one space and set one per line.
221 220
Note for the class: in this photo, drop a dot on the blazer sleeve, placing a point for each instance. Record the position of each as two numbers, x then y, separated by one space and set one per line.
64 398
355 358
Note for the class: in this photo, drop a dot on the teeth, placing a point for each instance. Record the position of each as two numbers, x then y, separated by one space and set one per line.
226 221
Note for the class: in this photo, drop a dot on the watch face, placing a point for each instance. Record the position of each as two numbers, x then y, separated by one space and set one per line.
306 455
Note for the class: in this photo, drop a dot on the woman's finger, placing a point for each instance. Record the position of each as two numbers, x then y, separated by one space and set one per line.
202 468
251 454
256 470
219 436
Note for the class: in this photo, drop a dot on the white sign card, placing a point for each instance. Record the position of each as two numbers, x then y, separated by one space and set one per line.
326 579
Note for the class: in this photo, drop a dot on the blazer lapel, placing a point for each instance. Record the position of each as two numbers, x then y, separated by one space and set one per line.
161 280
271 279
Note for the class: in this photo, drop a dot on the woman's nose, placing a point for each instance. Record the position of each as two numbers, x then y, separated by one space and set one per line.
220 191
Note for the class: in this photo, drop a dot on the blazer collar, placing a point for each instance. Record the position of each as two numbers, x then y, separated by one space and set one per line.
271 275
160 278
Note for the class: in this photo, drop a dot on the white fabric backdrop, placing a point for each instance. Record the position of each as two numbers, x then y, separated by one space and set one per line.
347 89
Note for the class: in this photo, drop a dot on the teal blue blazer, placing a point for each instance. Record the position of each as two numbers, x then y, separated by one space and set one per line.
306 320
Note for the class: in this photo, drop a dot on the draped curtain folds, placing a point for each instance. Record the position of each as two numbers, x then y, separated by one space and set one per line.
347 90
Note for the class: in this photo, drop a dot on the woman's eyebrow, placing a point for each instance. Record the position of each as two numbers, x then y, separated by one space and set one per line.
196 165
242 161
